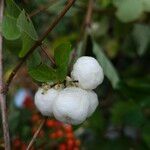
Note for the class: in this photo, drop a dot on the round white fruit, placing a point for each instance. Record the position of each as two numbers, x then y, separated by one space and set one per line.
71 105
44 100
87 72
93 102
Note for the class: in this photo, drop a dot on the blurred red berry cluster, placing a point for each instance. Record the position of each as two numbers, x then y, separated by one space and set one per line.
18 144
64 131
61 136
28 103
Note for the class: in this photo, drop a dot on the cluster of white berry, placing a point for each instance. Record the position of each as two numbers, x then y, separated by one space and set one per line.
76 101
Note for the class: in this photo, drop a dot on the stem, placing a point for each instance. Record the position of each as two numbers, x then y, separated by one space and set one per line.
84 27
88 18
38 43
2 96
48 55
41 8
36 134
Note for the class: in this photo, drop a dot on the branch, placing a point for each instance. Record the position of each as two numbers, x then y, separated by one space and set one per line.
87 20
48 56
37 43
36 134
86 24
2 96
89 13
41 8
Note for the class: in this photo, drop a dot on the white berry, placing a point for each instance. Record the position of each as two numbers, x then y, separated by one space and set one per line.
87 72
93 100
44 100
71 105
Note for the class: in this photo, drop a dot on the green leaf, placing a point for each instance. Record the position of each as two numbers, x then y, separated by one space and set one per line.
13 46
34 60
109 70
27 43
61 56
12 9
79 49
43 73
83 45
9 28
146 5
16 24
25 25
62 53
128 10
28 33
141 34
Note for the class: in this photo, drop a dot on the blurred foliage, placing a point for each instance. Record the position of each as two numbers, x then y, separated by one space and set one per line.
119 38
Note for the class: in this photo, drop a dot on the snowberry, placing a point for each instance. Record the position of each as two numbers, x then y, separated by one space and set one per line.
93 100
44 100
71 105
87 72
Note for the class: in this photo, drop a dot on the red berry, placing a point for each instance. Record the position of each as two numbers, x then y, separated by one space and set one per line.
28 102
68 128
35 118
59 133
62 147
70 144
23 146
16 143
58 124
53 135
69 135
76 148
50 123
